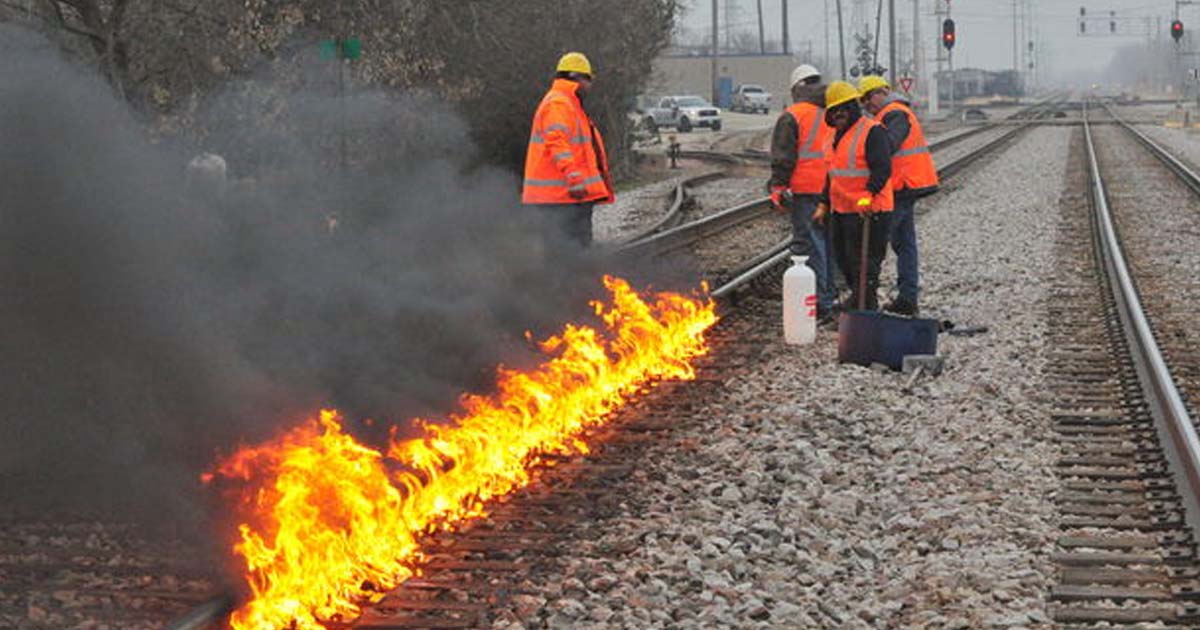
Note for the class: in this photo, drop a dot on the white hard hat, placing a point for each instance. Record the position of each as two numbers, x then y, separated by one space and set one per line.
802 72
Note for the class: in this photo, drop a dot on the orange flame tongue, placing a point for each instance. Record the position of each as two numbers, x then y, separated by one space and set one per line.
331 522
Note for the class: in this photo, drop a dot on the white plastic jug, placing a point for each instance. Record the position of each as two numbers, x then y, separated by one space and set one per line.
799 302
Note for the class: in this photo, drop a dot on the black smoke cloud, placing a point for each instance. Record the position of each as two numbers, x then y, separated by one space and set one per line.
146 328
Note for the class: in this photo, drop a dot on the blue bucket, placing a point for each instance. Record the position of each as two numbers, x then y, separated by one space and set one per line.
866 337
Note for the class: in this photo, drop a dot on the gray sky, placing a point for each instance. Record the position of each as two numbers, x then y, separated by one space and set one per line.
985 27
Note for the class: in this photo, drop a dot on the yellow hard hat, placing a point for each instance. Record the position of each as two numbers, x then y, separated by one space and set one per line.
872 82
575 62
839 92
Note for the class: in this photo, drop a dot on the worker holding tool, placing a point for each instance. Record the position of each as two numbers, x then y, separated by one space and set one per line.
798 173
913 176
859 192
566 167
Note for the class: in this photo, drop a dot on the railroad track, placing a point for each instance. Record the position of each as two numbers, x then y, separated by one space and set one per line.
485 571
1130 466
68 572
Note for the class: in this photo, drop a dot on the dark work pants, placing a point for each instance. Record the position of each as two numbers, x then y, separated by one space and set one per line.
904 244
848 233
812 240
568 222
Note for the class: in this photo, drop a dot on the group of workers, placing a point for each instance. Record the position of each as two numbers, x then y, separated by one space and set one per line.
847 163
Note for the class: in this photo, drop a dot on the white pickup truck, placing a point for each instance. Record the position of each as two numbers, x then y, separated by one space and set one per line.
751 98
683 113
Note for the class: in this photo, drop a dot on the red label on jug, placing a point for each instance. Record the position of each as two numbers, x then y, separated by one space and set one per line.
810 300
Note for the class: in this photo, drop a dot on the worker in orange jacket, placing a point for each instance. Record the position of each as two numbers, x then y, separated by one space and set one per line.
566 167
859 191
798 172
913 176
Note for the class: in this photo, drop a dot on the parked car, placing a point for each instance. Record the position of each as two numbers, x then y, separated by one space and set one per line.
683 113
974 114
751 98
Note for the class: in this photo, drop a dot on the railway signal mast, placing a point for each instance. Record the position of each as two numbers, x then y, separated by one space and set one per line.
949 38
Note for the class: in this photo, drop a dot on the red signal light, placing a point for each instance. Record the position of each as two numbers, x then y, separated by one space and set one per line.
1176 30
948 37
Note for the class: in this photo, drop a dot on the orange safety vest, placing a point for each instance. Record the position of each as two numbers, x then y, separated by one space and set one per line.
849 172
565 148
912 164
808 177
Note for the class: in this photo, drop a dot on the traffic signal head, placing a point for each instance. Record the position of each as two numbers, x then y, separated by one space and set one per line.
1176 30
948 33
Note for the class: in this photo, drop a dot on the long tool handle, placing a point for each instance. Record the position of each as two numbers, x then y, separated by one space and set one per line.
862 261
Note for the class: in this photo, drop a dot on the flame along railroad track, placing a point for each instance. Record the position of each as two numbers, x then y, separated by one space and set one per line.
480 571
1130 467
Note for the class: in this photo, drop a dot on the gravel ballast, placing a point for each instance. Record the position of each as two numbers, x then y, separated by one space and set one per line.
821 495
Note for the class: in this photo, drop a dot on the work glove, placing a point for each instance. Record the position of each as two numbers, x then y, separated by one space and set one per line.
822 211
780 195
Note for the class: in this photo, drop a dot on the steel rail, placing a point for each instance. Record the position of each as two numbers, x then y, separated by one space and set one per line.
1185 172
674 211
205 615
1155 376
688 233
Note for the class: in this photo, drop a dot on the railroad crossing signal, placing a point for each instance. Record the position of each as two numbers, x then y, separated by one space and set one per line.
948 33
1176 30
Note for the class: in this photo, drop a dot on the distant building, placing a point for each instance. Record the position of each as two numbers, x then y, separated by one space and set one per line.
692 74
976 83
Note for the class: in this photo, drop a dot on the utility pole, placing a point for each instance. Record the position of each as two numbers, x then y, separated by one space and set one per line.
1016 51
841 37
825 19
787 49
892 41
918 62
762 43
935 96
713 70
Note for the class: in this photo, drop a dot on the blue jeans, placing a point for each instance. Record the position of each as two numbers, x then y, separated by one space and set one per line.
813 240
903 236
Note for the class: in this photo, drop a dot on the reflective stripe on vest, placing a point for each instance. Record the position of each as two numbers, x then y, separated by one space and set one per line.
538 138
912 151
807 152
850 171
595 179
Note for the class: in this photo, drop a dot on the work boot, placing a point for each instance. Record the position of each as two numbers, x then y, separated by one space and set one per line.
826 316
902 306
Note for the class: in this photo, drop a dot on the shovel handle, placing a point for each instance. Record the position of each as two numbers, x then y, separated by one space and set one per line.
862 262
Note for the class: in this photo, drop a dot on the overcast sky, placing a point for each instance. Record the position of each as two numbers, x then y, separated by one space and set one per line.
985 27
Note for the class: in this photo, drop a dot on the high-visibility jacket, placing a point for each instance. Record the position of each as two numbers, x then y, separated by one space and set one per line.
808 176
849 172
565 149
912 164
